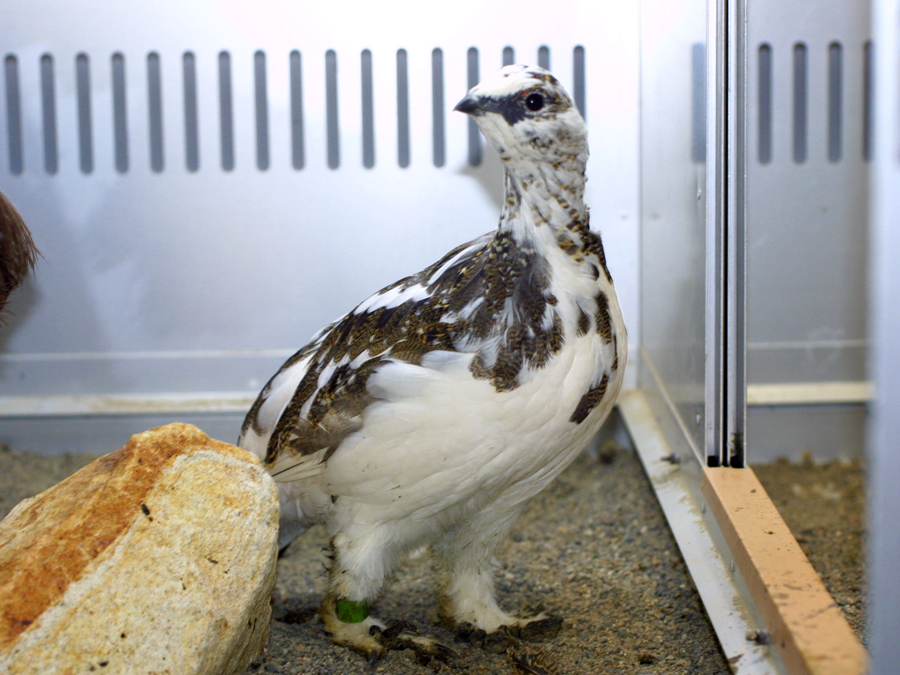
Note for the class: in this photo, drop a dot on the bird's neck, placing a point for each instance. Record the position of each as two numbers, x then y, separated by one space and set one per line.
544 200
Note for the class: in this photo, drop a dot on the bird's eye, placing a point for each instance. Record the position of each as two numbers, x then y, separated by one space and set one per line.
534 102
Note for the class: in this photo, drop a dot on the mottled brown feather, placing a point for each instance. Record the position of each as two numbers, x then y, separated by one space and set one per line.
18 254
590 400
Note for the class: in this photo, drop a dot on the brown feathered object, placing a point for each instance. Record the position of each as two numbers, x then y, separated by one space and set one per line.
18 254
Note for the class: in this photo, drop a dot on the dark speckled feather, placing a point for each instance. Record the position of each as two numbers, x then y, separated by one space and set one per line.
512 324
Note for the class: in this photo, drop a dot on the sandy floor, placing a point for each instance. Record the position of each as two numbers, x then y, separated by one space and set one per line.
823 506
594 549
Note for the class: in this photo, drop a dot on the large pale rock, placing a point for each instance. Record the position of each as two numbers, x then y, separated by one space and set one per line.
157 558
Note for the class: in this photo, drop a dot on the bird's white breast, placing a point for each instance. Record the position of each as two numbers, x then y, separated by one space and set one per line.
443 440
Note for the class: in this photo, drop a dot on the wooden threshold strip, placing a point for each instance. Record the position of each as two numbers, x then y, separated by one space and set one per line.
802 619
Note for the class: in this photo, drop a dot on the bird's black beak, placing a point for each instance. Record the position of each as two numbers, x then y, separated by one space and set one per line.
469 105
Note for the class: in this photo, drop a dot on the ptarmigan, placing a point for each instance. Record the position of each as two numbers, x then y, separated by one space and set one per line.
433 410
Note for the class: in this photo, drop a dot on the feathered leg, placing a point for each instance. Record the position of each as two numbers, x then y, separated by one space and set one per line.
468 583
468 570
358 569
357 572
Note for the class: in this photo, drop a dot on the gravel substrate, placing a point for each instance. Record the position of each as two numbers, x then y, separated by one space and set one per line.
593 549
24 474
823 506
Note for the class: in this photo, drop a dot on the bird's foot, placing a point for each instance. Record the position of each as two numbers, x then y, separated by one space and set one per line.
496 642
403 635
372 638
359 635
536 628
533 629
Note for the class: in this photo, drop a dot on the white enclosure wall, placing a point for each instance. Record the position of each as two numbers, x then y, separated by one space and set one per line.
884 427
673 215
804 134
808 146
211 182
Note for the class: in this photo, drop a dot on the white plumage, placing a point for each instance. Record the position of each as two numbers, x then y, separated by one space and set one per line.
433 410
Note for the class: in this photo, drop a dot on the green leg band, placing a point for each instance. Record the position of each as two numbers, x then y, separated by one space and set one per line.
350 611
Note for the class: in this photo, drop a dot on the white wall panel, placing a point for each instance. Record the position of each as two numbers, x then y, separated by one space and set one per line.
185 281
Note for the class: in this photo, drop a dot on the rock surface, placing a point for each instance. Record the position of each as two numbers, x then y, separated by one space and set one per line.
157 558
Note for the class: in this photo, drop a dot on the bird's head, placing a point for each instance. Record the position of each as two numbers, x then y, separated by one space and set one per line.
525 112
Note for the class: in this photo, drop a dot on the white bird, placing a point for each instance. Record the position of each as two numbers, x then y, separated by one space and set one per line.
431 412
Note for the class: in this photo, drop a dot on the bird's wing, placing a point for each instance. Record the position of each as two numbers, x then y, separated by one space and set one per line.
317 398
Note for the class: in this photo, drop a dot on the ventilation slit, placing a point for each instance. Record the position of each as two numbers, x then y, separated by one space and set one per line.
402 109
48 104
14 115
544 56
262 111
475 149
698 102
578 81
800 103
764 103
154 104
368 117
298 157
83 95
226 111
868 102
120 113
835 76
437 104
509 56
331 109
191 123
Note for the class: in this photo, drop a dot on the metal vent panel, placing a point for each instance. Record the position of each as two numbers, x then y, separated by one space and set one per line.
178 261
809 140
